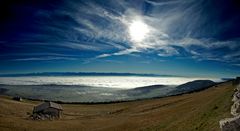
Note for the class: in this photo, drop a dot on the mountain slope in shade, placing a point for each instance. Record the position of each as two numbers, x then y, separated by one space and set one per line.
149 91
167 90
193 86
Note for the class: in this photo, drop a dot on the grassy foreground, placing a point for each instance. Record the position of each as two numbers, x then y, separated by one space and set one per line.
196 111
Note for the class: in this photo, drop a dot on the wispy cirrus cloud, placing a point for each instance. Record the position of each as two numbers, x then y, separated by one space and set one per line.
161 3
171 29
96 30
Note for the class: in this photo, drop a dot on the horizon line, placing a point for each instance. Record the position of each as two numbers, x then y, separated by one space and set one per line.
85 73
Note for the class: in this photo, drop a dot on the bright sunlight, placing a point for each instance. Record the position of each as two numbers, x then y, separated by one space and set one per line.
138 31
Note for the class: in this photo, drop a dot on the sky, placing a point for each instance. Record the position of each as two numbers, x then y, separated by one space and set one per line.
173 37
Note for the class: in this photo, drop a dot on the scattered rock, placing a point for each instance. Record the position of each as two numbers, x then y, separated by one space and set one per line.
236 96
233 124
235 109
230 124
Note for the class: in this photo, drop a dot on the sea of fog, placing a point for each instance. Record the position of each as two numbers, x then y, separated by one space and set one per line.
91 88
125 82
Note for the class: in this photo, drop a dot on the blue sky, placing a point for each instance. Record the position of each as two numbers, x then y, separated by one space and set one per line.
174 37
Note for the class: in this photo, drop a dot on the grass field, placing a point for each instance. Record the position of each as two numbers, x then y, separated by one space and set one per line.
196 111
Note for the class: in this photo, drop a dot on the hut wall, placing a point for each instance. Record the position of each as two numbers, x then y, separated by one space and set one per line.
52 112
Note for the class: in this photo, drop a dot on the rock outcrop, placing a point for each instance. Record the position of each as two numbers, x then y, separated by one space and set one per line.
236 96
233 124
230 124
235 109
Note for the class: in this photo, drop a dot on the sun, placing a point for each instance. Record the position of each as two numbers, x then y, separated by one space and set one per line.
138 31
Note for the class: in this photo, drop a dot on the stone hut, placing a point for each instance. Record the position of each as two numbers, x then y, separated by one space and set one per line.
50 109
17 98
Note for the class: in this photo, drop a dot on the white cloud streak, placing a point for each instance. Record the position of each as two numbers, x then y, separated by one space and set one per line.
173 25
164 2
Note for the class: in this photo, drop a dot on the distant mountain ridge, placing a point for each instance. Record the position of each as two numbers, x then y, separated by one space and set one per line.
82 74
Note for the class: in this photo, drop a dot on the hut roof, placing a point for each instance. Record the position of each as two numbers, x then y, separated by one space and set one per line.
46 105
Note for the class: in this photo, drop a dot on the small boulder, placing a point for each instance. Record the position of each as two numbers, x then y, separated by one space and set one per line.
236 96
235 109
230 124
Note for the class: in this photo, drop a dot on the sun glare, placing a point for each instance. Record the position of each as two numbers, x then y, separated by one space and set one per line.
138 31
